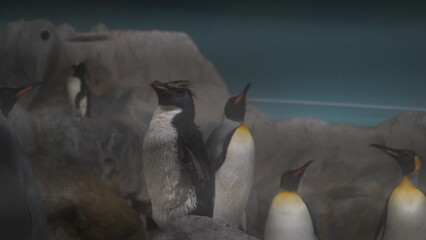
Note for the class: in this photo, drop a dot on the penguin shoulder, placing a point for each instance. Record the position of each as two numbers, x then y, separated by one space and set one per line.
290 201
407 194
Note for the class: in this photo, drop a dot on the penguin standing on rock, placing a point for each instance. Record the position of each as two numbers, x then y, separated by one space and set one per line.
404 217
289 217
231 151
178 174
21 214
78 92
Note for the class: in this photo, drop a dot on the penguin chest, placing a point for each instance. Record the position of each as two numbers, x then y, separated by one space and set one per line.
289 219
234 178
74 87
406 216
169 188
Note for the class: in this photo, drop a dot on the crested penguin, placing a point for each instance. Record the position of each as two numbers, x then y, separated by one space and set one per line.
289 217
178 174
404 216
21 214
231 151
78 91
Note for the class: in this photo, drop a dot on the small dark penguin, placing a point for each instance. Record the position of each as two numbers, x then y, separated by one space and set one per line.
78 92
289 217
404 217
231 150
176 168
21 214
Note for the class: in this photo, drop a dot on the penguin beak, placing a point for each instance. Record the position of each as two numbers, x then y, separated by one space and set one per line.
299 172
158 86
243 94
27 88
390 151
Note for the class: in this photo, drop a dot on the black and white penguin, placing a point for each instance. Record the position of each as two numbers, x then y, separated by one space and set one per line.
21 213
404 217
78 92
231 150
176 167
289 217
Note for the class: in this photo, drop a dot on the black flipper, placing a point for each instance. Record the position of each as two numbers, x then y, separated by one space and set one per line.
314 224
193 152
78 98
218 142
380 231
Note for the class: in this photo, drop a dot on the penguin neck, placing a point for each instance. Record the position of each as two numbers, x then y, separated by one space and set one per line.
414 177
285 194
405 183
287 191
226 119
188 110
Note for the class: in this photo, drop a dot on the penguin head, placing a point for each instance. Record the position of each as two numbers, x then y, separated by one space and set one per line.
9 96
290 180
175 93
235 108
79 69
408 160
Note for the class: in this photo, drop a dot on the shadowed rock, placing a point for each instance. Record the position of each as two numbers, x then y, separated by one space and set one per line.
201 228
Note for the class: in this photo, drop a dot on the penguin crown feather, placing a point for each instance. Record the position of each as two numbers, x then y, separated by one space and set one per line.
179 84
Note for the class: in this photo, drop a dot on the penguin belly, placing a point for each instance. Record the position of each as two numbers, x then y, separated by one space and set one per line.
171 192
289 219
74 87
234 178
406 216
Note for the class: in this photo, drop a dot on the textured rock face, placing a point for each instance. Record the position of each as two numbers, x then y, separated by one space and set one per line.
91 169
198 227
347 184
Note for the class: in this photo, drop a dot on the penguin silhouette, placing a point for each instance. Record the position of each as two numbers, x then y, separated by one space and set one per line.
404 216
78 91
176 168
232 152
21 213
289 217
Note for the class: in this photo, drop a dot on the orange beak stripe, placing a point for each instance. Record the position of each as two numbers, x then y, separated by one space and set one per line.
240 98
23 92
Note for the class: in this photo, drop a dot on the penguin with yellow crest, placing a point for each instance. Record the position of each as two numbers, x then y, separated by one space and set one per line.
404 217
289 217
231 151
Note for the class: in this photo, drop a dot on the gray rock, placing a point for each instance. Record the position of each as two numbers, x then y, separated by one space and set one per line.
345 187
201 228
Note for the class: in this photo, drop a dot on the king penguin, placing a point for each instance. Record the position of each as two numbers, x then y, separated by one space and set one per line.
178 174
231 151
289 217
404 217
21 213
78 91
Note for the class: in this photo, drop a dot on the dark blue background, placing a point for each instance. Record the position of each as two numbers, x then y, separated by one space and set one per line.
370 55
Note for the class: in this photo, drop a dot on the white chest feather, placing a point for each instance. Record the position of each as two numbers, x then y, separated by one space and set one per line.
171 194
234 178
289 219
406 216
74 87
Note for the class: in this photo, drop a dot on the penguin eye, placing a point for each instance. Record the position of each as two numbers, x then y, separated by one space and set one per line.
45 35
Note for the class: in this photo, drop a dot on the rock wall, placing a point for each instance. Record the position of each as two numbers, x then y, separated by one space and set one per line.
90 169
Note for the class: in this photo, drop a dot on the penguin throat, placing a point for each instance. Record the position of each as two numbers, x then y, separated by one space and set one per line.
405 183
